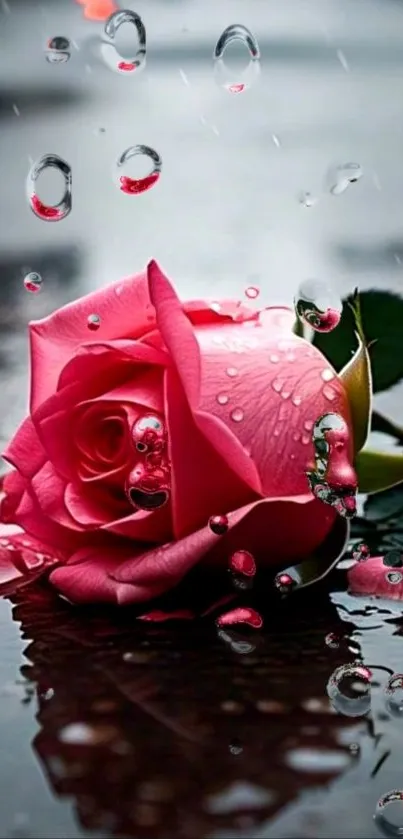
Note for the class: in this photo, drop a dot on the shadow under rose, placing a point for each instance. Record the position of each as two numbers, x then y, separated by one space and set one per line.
159 731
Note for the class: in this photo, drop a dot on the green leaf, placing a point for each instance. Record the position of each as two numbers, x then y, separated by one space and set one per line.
357 380
382 318
377 471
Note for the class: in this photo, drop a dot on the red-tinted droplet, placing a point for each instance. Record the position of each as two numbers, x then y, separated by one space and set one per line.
134 186
284 583
126 66
236 88
242 562
43 210
241 615
361 553
218 524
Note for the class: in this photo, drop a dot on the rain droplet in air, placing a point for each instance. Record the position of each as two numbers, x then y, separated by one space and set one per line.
394 695
109 50
252 292
33 282
135 186
349 689
218 525
226 77
58 50
341 177
48 212
93 322
317 305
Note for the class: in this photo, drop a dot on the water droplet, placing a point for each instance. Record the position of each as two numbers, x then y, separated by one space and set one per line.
277 385
149 435
306 199
218 524
47 212
285 394
327 375
237 415
394 695
252 292
361 552
341 177
231 372
296 400
329 393
305 439
93 322
308 425
318 306
222 399
341 497
277 431
58 50
235 748
290 356
394 577
274 358
242 562
332 640
135 186
109 51
394 826
223 75
284 583
296 436
349 689
33 282
393 559
148 485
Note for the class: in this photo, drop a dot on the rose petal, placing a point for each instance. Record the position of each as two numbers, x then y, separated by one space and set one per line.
90 506
49 489
26 440
201 479
143 525
22 559
203 312
371 577
178 335
124 309
89 580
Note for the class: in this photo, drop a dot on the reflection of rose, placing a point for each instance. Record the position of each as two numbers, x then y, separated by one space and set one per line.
233 394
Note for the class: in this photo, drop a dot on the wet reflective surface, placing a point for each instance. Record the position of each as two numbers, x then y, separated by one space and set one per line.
112 727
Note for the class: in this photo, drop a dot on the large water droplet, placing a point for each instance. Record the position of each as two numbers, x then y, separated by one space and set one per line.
135 186
149 434
394 695
58 50
349 689
341 177
33 282
223 75
284 583
222 399
237 415
109 51
47 212
318 306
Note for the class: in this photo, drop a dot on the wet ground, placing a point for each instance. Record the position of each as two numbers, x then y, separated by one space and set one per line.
114 728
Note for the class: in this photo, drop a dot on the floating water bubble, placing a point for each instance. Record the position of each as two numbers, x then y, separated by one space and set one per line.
223 75
243 562
394 577
361 552
109 51
394 695
317 305
393 559
349 689
58 50
47 212
134 186
386 826
93 322
149 434
341 177
218 525
252 292
33 282
284 583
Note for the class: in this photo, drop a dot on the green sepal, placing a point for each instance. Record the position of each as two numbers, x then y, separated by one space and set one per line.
356 377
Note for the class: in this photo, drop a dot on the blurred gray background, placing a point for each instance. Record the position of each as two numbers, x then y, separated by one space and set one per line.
226 210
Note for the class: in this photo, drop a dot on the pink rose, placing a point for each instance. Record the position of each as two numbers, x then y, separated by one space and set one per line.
224 400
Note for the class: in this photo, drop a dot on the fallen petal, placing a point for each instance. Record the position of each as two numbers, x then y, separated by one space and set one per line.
373 577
